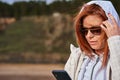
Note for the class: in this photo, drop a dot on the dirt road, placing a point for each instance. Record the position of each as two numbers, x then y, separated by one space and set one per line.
28 71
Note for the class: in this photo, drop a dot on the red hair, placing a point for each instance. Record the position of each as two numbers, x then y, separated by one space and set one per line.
92 9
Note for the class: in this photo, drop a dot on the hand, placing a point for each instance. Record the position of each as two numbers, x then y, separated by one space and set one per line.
111 28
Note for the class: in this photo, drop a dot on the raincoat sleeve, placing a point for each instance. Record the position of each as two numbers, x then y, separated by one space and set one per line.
114 47
72 62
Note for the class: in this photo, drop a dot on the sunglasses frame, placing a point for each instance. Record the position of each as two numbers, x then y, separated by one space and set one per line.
94 30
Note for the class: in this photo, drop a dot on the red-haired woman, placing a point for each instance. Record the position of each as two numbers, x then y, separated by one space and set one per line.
98 36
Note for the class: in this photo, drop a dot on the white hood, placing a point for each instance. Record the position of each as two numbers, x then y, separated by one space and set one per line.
108 7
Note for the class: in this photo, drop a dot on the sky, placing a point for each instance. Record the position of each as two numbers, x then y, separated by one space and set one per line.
12 1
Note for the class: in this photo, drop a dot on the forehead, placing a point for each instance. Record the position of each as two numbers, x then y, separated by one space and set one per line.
92 20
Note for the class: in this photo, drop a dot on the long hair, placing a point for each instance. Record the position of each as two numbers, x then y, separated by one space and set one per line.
92 9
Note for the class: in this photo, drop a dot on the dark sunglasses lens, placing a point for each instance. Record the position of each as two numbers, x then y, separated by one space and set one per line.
84 31
96 31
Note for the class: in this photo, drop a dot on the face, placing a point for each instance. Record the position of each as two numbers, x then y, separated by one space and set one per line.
93 33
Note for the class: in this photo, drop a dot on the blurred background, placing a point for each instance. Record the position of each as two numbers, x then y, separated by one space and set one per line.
35 36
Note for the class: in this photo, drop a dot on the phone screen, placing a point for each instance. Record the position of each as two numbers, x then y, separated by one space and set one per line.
61 75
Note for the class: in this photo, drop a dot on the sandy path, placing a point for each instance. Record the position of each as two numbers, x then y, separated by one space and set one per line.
28 71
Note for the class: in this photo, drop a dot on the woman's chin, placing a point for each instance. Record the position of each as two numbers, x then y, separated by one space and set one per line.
95 47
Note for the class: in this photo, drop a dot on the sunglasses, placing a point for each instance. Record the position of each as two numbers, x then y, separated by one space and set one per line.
93 30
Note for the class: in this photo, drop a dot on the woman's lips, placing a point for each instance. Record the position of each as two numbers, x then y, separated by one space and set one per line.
92 42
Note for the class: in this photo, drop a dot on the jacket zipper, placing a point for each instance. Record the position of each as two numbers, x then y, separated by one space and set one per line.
94 67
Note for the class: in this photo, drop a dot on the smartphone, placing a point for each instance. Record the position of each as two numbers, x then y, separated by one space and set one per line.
61 75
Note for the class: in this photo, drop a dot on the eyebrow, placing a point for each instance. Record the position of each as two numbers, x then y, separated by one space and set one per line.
92 27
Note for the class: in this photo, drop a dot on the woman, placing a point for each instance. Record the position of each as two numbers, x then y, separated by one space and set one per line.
98 36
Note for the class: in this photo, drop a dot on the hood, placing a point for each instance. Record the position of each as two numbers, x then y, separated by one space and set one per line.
108 7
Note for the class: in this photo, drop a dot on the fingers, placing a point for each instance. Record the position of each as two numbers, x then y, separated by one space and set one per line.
110 24
103 27
110 28
107 24
112 19
119 30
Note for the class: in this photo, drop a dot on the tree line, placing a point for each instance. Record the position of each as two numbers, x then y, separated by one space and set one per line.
39 7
